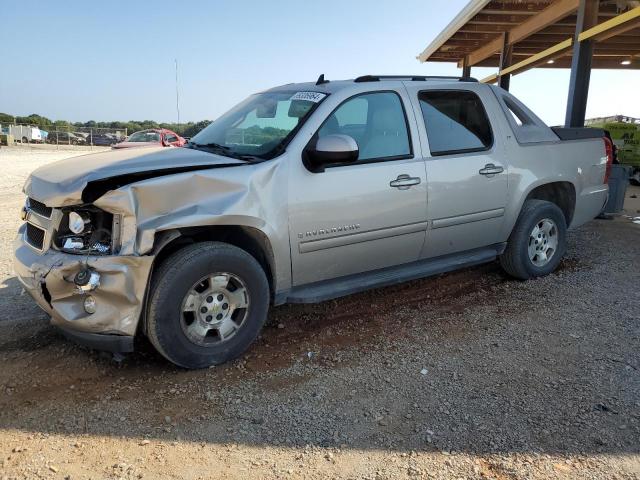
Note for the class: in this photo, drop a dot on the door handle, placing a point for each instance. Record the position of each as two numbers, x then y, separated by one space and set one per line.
404 182
490 170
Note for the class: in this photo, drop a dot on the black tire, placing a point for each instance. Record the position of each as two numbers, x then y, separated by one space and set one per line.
25 140
515 259
175 277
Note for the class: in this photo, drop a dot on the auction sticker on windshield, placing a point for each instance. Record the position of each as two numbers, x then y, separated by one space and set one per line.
314 97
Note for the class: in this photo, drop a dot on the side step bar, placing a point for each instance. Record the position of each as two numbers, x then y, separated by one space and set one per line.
339 287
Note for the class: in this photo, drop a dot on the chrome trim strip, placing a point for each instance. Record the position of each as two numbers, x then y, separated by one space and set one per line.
468 218
360 237
33 212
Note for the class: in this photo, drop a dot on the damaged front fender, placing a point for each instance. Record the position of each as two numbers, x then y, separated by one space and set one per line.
245 197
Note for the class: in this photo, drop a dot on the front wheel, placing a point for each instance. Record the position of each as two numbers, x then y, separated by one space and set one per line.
208 303
538 241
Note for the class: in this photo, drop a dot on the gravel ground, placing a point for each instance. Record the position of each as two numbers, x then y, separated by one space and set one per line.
466 375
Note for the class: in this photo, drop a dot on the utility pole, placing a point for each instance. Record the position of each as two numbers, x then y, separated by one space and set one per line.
177 96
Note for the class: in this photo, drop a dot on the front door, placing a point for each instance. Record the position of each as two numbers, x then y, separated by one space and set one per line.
466 170
364 216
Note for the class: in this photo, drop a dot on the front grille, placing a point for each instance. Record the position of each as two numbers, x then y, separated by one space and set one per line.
39 208
35 236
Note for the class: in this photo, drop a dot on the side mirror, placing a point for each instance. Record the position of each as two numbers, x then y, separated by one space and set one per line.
332 149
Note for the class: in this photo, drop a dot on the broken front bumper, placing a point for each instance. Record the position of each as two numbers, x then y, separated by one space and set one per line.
119 296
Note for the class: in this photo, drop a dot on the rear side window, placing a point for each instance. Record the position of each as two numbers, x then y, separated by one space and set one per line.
526 126
456 122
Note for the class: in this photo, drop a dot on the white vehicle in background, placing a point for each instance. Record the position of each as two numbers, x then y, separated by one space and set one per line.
24 133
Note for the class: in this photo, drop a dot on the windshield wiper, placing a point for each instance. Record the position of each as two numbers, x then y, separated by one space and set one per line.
210 145
223 150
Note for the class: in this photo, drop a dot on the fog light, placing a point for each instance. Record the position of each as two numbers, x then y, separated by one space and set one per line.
87 280
90 304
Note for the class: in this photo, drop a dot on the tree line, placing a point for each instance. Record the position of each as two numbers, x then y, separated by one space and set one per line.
188 129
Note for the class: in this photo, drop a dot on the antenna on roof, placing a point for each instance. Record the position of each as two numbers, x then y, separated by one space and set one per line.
177 97
321 80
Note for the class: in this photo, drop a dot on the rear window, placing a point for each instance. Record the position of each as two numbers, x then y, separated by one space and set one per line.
456 122
144 137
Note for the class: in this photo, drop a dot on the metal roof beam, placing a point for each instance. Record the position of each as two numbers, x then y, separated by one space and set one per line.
620 24
550 15
549 54
472 9
495 29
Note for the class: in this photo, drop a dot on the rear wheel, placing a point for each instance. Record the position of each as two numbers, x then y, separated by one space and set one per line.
538 241
207 305
25 140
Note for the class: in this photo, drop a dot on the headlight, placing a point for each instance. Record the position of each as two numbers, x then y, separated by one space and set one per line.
85 230
77 222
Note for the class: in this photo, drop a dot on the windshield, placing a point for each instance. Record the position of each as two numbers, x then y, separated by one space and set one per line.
144 137
261 126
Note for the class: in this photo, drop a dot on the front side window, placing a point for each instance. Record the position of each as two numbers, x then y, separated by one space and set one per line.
170 138
259 127
376 121
456 122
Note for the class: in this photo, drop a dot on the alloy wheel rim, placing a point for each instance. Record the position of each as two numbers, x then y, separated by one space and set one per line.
214 309
543 242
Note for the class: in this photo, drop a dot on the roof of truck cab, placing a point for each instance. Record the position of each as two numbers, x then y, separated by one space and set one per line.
330 87
333 86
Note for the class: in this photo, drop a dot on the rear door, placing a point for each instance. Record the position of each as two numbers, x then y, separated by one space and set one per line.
467 172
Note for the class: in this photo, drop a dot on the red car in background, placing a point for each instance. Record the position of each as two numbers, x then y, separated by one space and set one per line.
157 137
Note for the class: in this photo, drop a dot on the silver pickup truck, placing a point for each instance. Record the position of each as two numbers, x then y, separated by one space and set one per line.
301 193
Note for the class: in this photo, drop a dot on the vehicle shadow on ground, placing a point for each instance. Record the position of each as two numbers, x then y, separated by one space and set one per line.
435 364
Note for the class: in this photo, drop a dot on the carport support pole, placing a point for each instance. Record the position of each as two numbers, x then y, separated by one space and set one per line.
505 61
581 65
466 68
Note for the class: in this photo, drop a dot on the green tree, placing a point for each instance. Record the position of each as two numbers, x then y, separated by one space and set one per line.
34 119
188 129
6 118
195 128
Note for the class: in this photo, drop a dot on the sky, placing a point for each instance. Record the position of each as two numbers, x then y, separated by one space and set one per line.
104 61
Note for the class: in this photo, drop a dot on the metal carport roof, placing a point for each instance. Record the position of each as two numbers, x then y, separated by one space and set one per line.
516 35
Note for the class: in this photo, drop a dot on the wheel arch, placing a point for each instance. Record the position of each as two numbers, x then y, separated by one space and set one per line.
561 193
250 239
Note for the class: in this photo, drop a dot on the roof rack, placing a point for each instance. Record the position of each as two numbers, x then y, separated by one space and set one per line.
413 78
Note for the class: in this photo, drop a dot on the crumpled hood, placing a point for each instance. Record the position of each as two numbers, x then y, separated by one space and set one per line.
60 184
